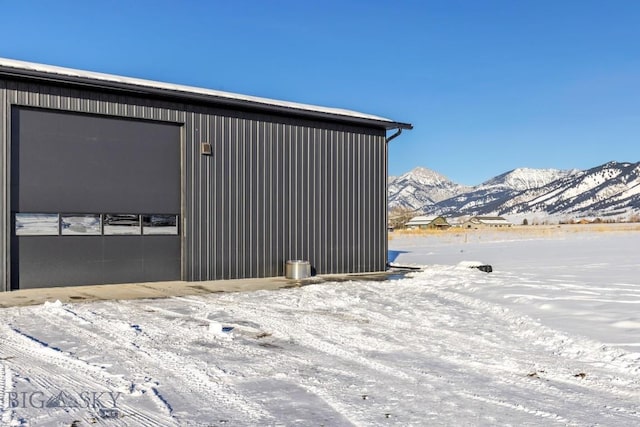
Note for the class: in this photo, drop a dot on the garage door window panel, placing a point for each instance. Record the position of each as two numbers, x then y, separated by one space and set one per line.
37 224
80 225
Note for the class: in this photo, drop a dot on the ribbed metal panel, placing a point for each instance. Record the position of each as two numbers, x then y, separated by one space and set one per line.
5 221
276 188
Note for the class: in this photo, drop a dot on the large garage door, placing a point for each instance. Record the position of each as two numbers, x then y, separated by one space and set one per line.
94 199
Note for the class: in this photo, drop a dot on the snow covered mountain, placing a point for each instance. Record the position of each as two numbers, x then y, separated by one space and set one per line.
421 187
525 178
612 189
488 197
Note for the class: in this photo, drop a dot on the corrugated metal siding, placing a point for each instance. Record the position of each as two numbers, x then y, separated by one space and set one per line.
5 156
275 188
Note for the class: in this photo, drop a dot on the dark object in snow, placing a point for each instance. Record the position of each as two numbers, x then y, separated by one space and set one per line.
486 268
534 374
402 267
580 375
227 328
109 413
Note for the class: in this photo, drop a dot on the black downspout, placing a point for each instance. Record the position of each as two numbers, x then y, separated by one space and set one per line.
395 135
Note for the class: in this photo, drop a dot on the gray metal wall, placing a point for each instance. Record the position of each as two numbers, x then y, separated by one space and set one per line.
275 188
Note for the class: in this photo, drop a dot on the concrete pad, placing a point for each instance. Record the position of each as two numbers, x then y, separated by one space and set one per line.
167 289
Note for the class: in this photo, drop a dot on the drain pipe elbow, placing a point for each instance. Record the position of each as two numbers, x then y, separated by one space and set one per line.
395 135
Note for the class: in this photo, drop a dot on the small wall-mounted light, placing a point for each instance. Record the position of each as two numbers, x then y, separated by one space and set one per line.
205 148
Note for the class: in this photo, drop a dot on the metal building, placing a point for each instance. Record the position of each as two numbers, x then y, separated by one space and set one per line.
107 179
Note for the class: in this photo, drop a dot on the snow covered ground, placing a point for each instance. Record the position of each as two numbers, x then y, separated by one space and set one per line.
549 338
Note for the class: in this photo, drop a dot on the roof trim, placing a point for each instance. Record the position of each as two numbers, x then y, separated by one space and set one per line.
11 67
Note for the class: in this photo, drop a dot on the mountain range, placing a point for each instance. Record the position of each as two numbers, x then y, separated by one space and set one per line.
611 190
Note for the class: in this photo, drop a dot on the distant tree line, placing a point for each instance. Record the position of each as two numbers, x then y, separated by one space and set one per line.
598 220
399 216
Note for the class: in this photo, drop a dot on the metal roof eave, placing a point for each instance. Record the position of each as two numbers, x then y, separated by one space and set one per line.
241 102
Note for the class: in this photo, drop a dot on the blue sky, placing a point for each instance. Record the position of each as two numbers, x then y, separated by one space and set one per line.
488 85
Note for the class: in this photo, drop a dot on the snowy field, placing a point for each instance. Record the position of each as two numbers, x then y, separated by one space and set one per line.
551 337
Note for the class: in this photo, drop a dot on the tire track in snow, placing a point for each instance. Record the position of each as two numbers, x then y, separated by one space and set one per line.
305 325
48 369
305 331
525 329
200 381
284 359
520 408
403 320
510 331
305 340
549 338
460 348
210 381
56 315
6 386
